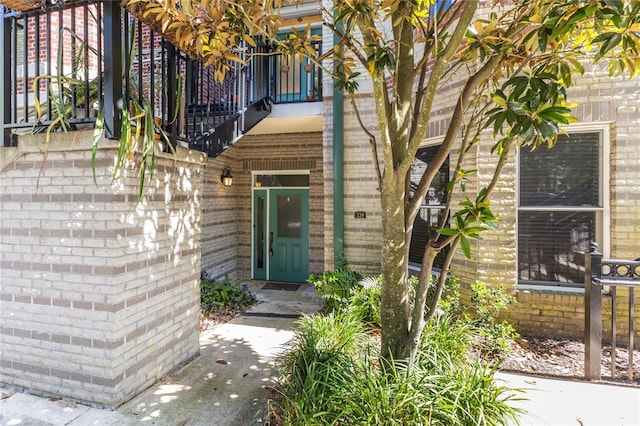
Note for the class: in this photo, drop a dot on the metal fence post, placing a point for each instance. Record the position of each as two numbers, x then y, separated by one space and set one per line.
5 81
592 316
173 97
631 332
113 70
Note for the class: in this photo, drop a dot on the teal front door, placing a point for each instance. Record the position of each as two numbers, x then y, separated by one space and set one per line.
288 235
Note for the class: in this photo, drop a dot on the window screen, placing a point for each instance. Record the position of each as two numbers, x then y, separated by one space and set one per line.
559 209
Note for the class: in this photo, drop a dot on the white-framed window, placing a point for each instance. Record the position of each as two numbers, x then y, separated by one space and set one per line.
563 205
433 205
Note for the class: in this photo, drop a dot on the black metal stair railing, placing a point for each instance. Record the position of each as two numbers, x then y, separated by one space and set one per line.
218 114
69 53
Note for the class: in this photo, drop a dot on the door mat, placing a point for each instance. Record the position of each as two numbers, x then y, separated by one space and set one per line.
271 315
281 286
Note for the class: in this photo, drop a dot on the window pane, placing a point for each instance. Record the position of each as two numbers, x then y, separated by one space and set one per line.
428 219
437 194
565 175
282 180
548 242
289 216
260 231
424 226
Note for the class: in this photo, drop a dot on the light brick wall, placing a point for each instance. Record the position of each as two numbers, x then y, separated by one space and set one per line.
220 217
561 314
361 236
100 295
227 211
614 102
327 168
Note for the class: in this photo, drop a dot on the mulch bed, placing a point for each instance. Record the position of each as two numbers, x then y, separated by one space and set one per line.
564 358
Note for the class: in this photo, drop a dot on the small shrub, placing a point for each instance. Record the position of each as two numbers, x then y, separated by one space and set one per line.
364 301
331 374
488 302
365 297
317 367
224 296
335 286
450 301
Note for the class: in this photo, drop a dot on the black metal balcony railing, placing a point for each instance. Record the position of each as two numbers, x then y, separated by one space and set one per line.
75 55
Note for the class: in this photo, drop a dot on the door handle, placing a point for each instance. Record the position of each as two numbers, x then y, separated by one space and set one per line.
270 243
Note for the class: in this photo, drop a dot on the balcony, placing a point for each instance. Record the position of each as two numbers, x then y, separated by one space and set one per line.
65 61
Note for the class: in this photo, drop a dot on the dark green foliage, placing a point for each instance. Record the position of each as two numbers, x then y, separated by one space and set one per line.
331 376
224 296
320 361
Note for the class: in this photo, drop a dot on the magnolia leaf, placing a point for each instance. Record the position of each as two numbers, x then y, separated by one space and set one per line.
448 231
466 248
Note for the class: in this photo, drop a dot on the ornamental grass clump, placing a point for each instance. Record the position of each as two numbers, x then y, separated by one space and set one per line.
331 375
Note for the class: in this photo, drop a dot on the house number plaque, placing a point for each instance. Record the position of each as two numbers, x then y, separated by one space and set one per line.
360 215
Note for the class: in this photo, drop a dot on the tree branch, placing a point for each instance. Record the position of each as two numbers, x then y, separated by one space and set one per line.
454 126
418 317
468 12
372 141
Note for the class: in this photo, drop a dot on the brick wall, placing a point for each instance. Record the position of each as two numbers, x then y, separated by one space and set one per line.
100 294
220 217
561 314
227 222
361 236
613 103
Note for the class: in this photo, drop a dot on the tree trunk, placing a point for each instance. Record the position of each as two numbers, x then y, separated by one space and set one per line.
395 296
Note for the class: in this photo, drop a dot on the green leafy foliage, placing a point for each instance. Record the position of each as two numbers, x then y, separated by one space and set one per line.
224 297
65 91
472 218
335 286
531 106
364 301
487 303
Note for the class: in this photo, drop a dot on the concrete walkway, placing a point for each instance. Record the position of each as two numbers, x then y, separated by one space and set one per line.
227 385
574 403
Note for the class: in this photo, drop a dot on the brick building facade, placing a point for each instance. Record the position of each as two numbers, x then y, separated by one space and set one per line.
100 293
609 107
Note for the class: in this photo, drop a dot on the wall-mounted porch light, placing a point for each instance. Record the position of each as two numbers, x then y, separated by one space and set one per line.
226 178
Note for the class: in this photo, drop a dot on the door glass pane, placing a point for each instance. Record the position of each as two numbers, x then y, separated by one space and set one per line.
549 242
260 234
289 216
